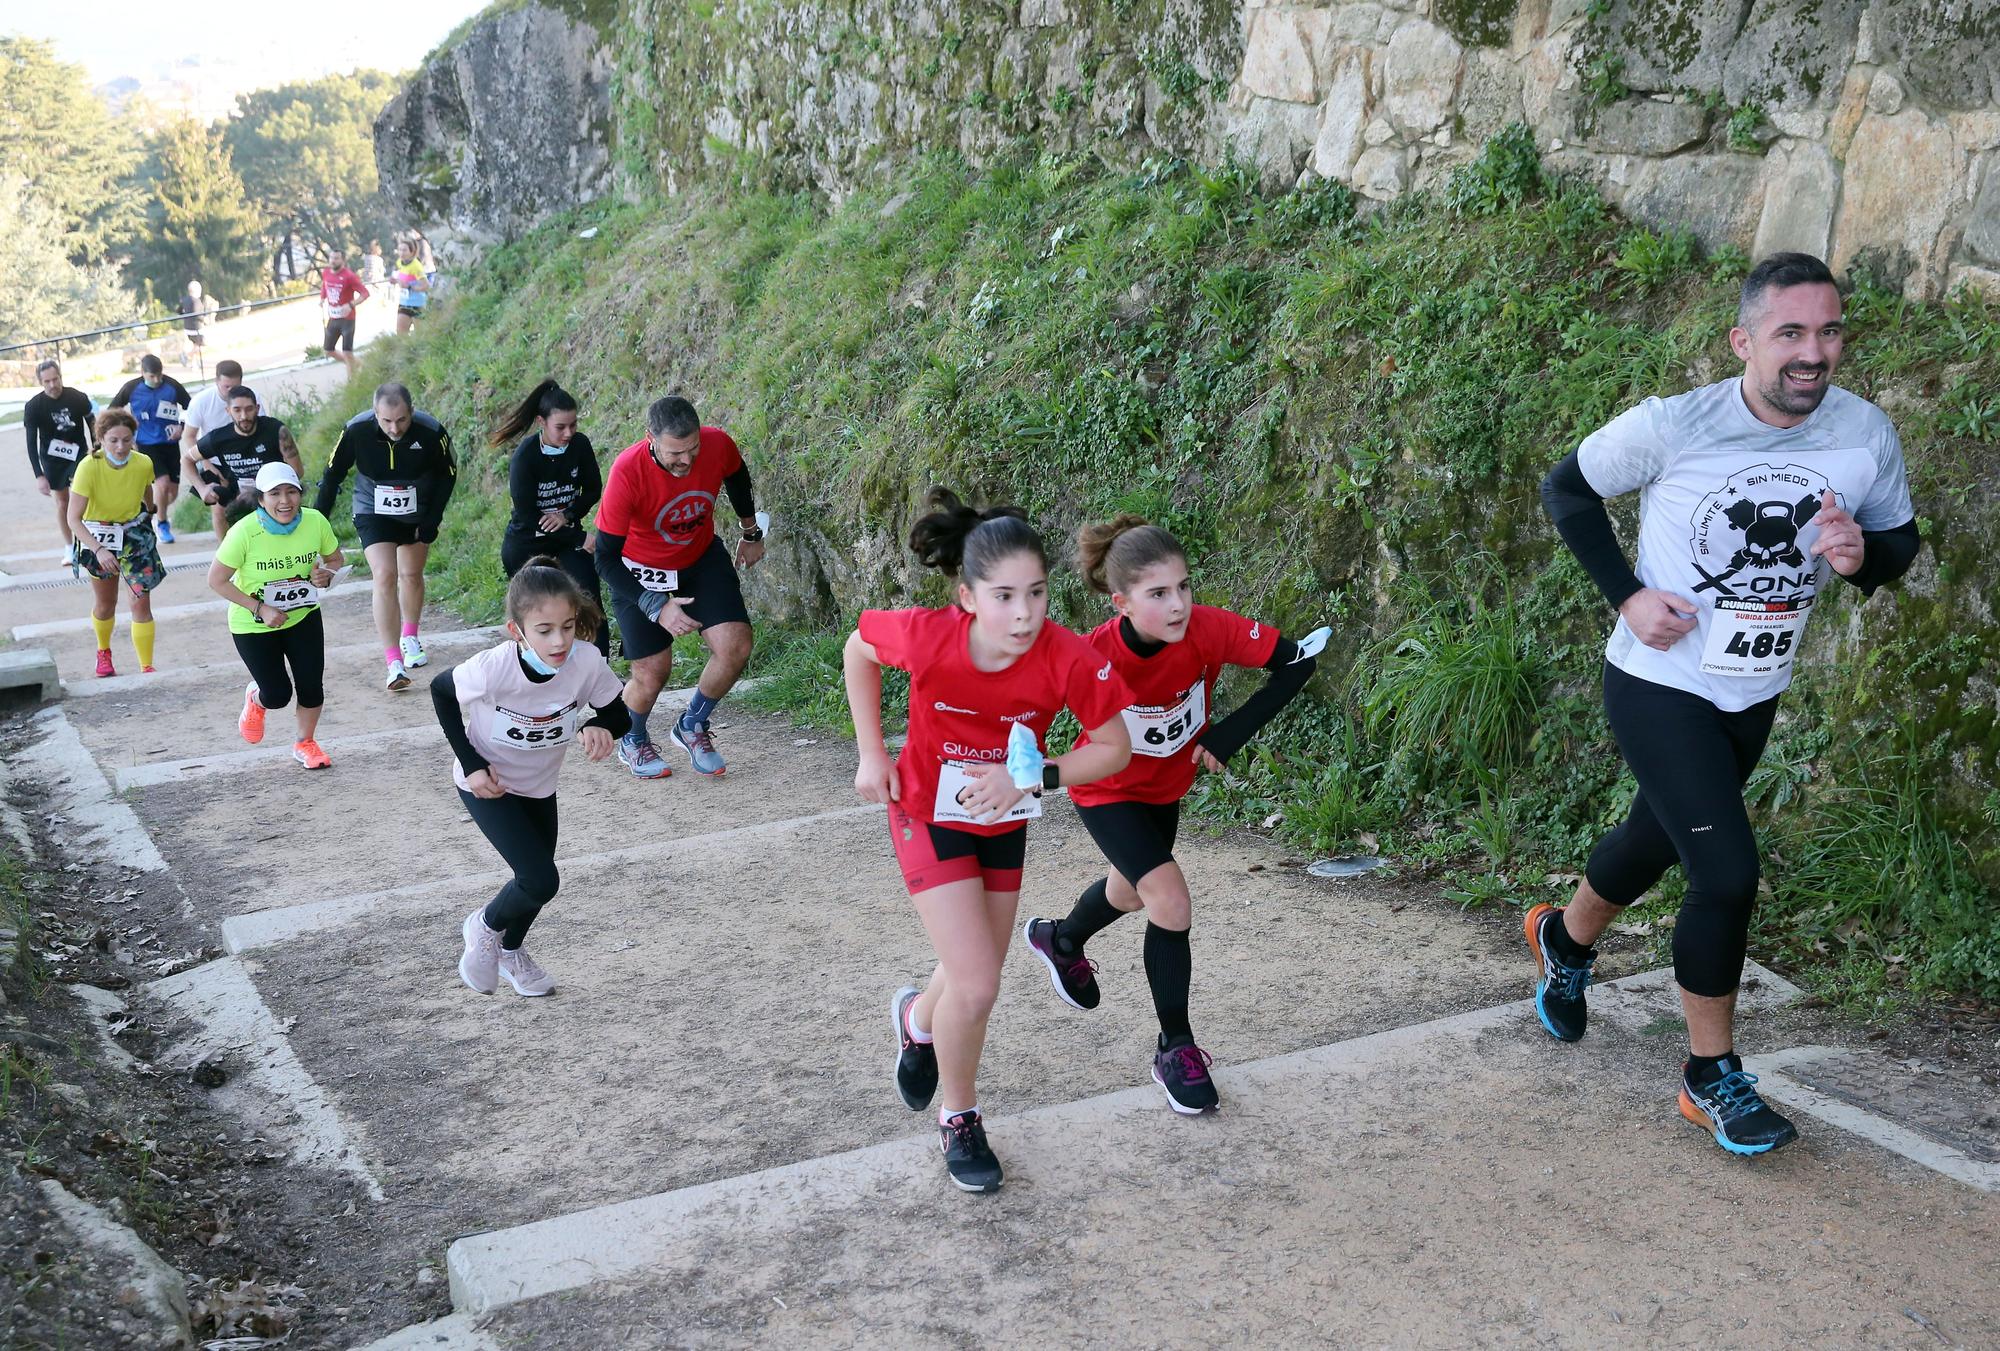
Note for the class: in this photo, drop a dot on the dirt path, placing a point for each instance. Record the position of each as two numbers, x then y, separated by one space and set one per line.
694 1142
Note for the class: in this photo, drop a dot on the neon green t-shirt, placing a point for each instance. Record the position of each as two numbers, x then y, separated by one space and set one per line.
262 558
116 495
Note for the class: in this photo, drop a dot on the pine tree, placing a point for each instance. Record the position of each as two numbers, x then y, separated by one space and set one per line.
203 226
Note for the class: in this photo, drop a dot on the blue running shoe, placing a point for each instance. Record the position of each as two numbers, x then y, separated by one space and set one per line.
1731 1110
642 758
166 531
700 748
1559 986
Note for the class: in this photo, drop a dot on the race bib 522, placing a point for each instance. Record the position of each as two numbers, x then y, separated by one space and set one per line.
652 578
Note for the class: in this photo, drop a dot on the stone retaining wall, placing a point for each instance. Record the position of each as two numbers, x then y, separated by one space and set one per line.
1841 127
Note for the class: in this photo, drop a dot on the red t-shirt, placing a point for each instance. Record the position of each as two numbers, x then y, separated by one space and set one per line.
340 289
667 522
962 714
1172 693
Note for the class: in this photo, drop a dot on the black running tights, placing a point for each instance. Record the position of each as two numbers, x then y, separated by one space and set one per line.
1691 760
301 646
523 829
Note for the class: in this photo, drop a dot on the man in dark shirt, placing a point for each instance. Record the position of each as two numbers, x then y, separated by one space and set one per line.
58 426
228 458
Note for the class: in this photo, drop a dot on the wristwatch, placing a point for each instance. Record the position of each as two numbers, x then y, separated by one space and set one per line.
752 533
1051 776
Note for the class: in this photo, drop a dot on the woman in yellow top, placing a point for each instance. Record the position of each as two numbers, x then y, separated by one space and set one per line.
111 520
271 569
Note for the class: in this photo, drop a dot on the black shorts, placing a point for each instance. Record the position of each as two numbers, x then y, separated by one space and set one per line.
375 529
196 338
58 471
339 331
1136 837
715 597
166 460
405 309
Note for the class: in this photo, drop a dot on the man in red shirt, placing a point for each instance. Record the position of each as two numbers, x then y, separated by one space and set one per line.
669 575
340 290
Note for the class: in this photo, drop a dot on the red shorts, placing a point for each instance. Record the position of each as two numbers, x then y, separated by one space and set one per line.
931 855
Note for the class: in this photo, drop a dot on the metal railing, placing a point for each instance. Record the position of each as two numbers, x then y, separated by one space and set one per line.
170 321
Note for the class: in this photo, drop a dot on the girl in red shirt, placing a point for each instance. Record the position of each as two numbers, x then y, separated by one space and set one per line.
978 669
1169 651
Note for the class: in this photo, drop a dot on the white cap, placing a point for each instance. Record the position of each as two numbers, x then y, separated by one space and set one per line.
271 475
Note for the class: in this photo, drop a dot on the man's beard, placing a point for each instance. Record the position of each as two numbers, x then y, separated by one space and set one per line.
1785 399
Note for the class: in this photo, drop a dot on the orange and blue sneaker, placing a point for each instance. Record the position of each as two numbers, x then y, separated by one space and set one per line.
1559 985
1730 1109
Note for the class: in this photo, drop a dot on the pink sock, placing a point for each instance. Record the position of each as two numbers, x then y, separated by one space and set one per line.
409 630
392 655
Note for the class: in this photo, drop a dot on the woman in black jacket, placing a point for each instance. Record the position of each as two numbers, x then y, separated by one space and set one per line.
554 482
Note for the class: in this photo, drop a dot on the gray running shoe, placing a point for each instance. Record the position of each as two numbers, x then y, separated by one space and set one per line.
700 748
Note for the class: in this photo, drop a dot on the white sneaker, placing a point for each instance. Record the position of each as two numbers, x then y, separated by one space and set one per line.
522 973
413 652
482 954
399 679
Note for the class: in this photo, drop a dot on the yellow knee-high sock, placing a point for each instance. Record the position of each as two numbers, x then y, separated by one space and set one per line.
142 641
102 628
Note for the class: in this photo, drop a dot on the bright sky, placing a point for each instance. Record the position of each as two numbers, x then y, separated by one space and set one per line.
236 45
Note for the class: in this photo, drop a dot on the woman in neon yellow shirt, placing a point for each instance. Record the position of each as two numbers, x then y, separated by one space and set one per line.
111 521
271 569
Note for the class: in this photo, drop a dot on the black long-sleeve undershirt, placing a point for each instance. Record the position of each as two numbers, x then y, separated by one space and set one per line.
737 485
1886 555
1289 673
614 718
611 570
1585 526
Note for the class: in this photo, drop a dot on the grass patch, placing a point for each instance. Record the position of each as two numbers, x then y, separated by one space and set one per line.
1343 415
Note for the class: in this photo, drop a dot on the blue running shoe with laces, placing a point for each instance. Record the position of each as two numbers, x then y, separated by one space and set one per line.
1731 1110
642 758
1559 986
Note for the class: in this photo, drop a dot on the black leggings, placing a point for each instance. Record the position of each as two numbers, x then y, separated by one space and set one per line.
302 647
523 829
1691 760
517 549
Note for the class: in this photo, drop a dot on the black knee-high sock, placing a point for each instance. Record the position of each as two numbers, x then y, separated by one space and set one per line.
1169 967
1092 911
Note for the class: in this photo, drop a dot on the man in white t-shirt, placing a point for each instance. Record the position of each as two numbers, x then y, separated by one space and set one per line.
1753 493
206 412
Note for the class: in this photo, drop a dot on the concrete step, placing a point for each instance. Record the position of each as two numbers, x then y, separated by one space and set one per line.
1465 1181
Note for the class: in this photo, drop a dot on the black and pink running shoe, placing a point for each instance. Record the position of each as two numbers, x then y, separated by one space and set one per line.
1182 1071
1075 977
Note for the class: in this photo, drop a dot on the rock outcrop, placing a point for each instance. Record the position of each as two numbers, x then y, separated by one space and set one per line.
506 127
1862 129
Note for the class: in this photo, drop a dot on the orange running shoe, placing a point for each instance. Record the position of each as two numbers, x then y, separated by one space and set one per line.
250 721
309 754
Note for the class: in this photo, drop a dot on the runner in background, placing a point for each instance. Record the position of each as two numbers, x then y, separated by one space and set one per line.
412 287
109 501
375 272
1754 490
207 411
227 459
196 311
982 669
57 425
340 294
669 575
553 482
1170 651
404 474
271 569
158 400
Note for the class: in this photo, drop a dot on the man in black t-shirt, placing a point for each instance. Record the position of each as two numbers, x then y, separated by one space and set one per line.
58 426
228 458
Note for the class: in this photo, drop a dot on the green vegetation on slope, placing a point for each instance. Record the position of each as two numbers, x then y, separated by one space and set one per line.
1345 418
